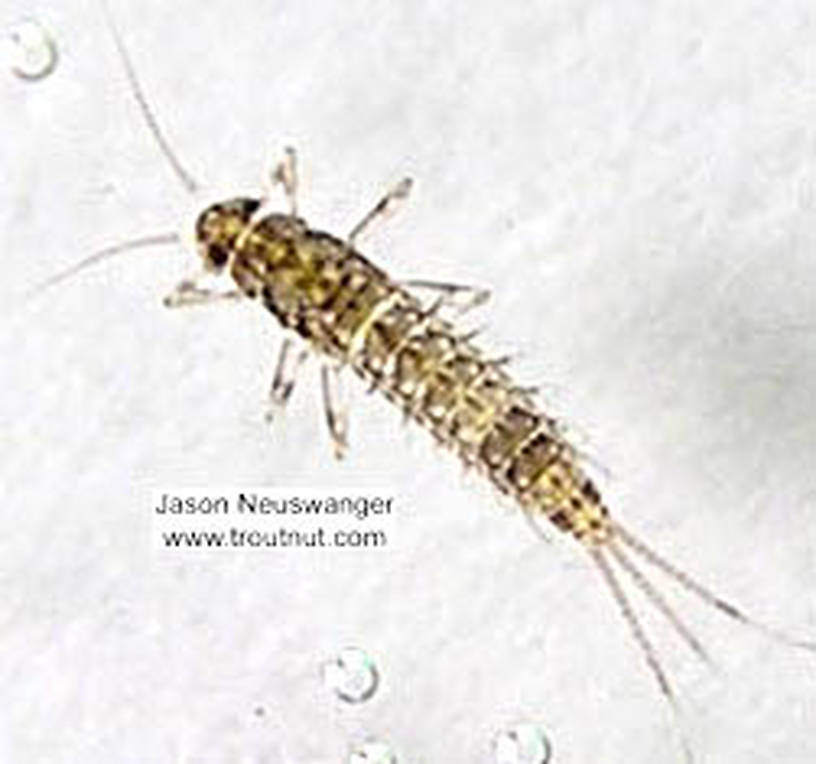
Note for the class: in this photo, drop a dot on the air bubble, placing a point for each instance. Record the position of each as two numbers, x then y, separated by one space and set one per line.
373 752
522 744
351 675
30 51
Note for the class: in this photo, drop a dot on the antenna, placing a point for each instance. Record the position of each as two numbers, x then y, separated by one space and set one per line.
103 254
181 173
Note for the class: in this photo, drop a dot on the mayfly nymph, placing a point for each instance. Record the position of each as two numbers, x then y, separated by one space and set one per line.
352 314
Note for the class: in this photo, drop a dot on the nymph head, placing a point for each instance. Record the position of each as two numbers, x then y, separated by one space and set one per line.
218 228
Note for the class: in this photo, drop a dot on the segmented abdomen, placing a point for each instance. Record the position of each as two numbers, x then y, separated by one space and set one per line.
349 309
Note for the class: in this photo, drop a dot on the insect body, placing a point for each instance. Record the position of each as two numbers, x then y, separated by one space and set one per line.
352 314
350 310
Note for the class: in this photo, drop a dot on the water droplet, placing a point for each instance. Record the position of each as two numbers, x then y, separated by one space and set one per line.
30 51
351 675
373 752
522 744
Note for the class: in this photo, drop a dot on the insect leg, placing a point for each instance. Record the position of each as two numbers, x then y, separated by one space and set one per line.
336 412
290 360
286 174
189 293
382 207
460 297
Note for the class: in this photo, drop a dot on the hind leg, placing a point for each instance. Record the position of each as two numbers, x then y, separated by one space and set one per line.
459 297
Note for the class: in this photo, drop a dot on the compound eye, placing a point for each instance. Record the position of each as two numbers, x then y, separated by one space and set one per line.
241 208
217 255
250 207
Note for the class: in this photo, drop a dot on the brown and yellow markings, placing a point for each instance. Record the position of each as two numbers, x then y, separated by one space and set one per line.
351 314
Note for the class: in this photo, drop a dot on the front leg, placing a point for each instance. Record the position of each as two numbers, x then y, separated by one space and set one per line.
188 292
382 208
286 175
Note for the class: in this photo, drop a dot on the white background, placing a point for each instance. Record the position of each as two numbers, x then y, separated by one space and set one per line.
633 180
